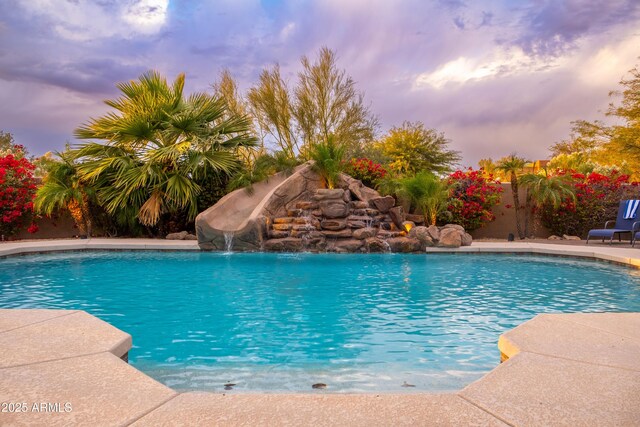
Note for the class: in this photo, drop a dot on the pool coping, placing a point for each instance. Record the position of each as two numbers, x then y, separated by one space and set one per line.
541 382
618 253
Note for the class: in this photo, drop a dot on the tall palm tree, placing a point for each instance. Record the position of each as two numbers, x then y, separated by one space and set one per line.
62 189
156 147
512 166
545 190
427 193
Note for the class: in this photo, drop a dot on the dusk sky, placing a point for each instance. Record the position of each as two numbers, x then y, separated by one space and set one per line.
495 76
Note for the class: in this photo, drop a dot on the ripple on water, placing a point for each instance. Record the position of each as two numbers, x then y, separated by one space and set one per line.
282 322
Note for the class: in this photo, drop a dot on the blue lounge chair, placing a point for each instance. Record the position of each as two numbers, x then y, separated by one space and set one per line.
636 237
622 225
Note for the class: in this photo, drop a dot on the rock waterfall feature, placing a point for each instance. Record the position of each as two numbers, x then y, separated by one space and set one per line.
294 213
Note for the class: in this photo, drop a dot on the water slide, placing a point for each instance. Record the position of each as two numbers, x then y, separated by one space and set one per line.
238 220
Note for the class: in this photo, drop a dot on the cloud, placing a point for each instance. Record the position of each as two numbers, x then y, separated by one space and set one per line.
552 27
495 75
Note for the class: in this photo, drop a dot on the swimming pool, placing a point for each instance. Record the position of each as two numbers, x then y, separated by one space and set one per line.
282 322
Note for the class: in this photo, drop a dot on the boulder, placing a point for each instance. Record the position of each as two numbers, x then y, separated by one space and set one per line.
554 237
283 220
397 216
342 234
177 236
359 204
455 227
568 237
306 205
303 227
365 233
422 234
334 208
403 244
294 212
346 197
373 244
333 224
191 237
323 194
349 245
361 192
418 219
356 224
450 238
466 239
383 204
282 227
277 234
434 232
288 244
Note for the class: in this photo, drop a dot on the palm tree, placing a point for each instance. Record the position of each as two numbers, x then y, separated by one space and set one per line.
63 189
545 190
158 145
427 193
328 156
512 165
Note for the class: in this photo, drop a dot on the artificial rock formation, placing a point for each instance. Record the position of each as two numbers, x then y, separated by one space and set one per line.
293 213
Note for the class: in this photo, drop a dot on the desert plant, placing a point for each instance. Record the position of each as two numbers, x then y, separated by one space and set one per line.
328 157
473 194
63 189
544 190
158 146
427 193
512 166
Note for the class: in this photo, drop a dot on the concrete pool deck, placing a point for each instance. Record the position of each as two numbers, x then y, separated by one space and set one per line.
561 369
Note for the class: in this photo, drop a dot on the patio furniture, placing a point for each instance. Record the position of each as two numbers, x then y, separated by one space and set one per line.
626 222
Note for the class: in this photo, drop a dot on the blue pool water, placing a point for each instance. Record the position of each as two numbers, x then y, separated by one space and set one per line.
282 322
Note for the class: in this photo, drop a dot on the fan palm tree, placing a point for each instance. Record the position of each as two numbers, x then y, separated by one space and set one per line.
156 147
62 189
545 190
512 166
427 193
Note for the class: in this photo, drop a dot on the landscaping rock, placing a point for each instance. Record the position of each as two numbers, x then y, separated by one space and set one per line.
403 244
365 233
361 192
450 238
422 234
282 220
177 236
276 234
455 227
434 232
554 237
358 204
334 208
466 239
191 237
383 204
323 194
288 244
306 206
342 234
397 216
374 244
333 224
418 219
568 237
282 227
356 224
349 245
